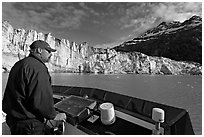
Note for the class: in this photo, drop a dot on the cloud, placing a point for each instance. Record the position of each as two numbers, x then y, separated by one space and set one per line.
92 11
177 11
138 15
143 16
44 16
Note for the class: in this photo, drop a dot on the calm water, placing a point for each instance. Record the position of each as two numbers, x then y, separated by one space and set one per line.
179 91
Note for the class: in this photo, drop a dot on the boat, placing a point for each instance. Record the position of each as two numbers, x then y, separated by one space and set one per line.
133 116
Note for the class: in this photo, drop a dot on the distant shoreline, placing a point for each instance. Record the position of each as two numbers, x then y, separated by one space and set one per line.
7 72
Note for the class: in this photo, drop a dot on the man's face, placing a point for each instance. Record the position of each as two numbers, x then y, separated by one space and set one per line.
46 55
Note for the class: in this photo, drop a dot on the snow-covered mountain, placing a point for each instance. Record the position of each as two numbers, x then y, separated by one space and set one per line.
174 40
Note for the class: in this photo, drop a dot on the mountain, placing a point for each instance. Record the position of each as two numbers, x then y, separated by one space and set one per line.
174 40
71 57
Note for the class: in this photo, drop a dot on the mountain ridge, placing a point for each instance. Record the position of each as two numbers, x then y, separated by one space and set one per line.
172 40
83 58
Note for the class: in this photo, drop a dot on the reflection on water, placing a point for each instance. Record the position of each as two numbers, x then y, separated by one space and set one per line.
179 91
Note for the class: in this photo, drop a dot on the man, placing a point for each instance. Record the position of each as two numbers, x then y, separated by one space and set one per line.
28 97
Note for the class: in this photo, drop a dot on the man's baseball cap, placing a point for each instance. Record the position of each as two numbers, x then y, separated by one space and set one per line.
41 44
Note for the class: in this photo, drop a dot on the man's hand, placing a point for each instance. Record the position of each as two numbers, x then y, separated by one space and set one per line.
60 117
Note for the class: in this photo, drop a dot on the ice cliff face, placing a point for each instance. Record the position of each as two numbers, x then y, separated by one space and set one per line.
71 57
138 63
15 46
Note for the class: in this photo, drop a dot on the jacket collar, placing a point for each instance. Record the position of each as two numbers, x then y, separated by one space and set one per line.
36 57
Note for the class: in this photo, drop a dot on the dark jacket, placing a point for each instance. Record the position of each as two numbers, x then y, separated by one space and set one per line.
28 93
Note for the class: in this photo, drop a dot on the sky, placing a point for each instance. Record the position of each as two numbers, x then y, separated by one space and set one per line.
100 24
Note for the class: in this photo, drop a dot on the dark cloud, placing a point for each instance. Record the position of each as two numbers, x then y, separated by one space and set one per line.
44 16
